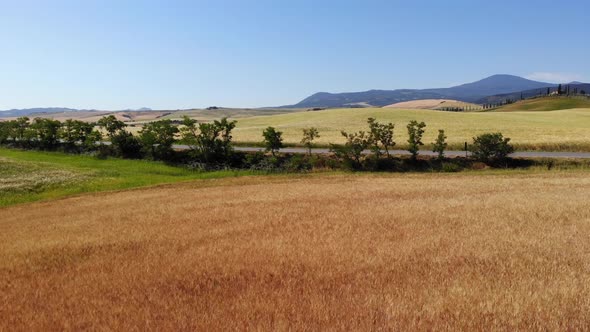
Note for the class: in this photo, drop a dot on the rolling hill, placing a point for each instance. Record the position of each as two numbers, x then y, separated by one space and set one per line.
470 92
565 130
433 104
544 104
493 99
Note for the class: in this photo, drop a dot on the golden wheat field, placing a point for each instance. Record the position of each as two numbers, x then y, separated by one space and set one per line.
312 252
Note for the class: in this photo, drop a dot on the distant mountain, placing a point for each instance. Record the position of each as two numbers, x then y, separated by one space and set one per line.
29 111
470 92
143 109
48 110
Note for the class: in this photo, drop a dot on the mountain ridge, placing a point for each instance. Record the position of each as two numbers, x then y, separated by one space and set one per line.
468 92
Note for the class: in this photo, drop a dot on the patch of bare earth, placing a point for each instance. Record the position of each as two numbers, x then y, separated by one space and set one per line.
427 252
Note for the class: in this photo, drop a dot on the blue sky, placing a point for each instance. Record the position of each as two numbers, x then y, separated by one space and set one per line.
180 54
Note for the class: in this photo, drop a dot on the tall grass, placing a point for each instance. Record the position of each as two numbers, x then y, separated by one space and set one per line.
501 252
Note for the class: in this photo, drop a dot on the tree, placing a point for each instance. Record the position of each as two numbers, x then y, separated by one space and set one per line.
5 127
19 128
208 141
491 148
45 132
582 92
309 135
157 138
352 151
126 145
381 136
91 139
273 140
224 138
189 132
559 91
415 132
111 125
548 91
73 132
440 144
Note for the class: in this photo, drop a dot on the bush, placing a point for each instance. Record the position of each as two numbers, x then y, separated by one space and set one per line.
298 163
491 148
450 167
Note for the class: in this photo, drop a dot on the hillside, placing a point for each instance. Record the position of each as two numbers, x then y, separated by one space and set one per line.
546 104
470 92
433 104
561 130
152 115
500 98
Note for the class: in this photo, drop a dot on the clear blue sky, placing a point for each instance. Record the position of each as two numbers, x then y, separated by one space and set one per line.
118 54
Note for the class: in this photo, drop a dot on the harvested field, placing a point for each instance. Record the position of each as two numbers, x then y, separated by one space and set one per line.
360 252
433 104
565 130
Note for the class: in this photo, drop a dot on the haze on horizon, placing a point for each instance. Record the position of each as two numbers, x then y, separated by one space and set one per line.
183 54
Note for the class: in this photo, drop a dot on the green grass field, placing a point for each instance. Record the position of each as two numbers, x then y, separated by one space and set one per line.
546 104
551 131
27 176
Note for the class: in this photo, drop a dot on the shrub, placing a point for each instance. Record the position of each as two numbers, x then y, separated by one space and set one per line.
491 148
450 167
298 163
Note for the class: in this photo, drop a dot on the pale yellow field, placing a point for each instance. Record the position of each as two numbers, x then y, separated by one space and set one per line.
320 252
561 130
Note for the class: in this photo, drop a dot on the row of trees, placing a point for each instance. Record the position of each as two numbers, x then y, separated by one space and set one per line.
211 143
48 134
490 148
